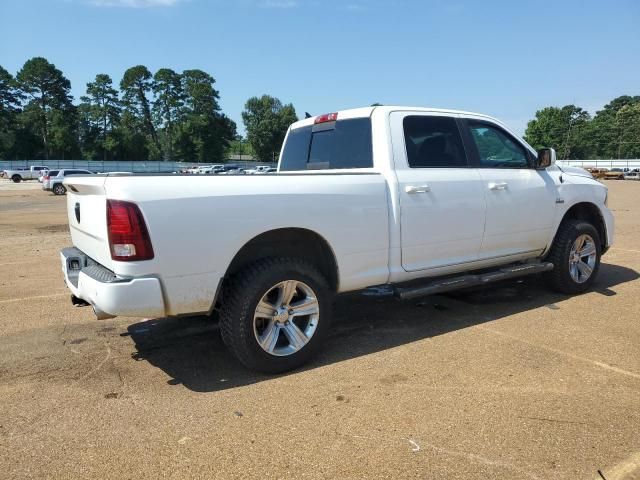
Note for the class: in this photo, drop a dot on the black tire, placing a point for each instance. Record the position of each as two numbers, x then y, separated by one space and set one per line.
560 278
59 189
241 296
16 179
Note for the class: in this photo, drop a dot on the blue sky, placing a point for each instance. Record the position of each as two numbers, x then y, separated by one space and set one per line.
503 58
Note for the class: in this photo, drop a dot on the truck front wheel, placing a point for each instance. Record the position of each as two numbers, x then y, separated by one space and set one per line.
16 179
575 255
59 189
275 314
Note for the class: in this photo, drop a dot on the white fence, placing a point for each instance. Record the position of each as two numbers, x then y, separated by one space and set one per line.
633 163
117 166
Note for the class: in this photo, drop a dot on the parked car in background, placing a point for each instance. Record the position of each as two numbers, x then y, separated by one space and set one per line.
614 174
46 179
231 169
632 175
422 200
268 170
31 173
596 172
258 169
210 169
52 182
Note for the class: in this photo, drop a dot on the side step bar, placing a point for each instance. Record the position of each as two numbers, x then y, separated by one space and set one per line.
464 281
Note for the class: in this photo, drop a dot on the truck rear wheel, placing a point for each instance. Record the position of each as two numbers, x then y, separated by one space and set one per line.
58 189
16 178
575 255
275 314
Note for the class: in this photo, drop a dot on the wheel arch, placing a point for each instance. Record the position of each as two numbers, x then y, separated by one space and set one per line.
590 212
289 242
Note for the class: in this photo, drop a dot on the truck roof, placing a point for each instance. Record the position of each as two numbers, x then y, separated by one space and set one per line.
367 111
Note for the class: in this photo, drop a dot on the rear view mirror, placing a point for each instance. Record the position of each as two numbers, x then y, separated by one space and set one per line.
546 157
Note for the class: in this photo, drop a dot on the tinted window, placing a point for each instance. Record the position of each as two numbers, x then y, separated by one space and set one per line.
496 148
53 173
296 149
341 144
433 142
348 145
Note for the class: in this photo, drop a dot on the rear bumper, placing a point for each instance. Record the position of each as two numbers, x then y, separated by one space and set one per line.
110 295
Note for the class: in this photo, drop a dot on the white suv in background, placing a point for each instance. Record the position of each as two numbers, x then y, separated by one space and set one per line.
52 181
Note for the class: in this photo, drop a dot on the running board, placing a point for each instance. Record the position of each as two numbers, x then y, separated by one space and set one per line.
464 281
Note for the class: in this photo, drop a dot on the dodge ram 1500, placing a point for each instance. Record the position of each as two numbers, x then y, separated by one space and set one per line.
423 200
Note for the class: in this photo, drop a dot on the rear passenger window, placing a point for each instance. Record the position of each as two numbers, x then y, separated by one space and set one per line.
433 142
336 145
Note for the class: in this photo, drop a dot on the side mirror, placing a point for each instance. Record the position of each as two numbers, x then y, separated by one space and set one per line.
546 157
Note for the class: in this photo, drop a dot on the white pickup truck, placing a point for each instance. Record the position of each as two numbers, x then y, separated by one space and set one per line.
423 200
31 173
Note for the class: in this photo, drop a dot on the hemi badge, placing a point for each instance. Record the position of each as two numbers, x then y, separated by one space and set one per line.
559 200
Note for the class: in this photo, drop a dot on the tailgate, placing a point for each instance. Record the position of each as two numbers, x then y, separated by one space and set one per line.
87 214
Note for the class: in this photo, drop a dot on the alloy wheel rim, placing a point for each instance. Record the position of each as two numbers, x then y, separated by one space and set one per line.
286 318
582 258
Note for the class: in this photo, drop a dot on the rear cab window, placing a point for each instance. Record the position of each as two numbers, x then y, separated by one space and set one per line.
339 144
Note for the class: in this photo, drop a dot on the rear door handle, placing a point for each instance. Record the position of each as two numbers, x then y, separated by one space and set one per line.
498 186
419 189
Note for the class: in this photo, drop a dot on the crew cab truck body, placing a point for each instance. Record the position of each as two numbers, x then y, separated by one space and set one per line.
31 173
425 200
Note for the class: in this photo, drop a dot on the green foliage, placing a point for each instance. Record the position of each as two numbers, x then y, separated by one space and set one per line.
10 98
628 126
167 107
267 121
135 85
560 128
614 132
100 112
204 132
240 146
50 111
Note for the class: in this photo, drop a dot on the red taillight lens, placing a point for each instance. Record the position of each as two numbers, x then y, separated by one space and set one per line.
327 117
46 177
128 236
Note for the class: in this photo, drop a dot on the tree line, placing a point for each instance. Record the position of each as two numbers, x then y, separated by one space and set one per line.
176 116
613 132
161 116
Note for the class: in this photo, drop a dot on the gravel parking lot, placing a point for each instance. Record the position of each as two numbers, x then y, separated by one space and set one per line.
508 382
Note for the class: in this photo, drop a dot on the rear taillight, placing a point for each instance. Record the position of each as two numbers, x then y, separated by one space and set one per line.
128 236
46 177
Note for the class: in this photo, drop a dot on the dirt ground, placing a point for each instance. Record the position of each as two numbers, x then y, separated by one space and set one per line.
511 382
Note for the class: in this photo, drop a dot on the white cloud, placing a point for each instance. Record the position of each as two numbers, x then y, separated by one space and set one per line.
134 3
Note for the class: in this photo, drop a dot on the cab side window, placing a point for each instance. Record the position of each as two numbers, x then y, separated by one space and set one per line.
433 142
497 149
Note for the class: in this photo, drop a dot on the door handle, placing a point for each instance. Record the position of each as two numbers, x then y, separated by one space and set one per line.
420 189
498 186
